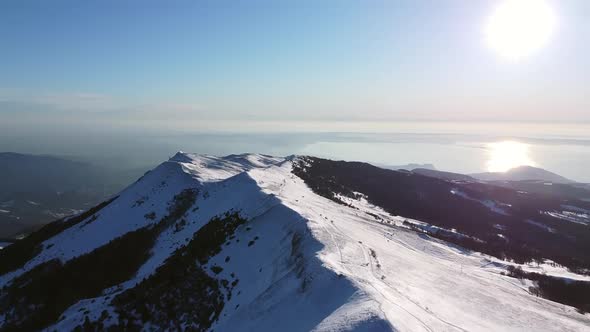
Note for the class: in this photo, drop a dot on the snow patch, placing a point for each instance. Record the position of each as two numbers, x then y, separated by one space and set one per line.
540 225
580 216
492 205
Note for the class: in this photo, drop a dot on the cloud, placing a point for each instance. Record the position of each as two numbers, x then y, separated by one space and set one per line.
36 110
78 101
87 102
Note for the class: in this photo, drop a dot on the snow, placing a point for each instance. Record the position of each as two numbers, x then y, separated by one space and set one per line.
7 204
575 209
316 265
210 168
492 205
540 225
500 227
550 269
571 214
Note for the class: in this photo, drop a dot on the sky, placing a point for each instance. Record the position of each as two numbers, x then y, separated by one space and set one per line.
234 65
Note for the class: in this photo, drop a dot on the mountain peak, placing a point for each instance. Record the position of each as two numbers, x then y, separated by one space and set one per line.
208 168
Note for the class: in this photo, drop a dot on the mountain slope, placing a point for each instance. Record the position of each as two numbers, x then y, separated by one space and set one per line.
443 175
251 247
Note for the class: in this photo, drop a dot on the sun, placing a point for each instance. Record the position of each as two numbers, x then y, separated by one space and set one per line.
506 155
518 28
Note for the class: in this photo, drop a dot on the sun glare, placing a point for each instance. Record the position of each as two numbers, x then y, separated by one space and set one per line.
518 28
507 155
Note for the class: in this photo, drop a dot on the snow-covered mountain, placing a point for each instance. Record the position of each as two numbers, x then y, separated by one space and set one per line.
258 243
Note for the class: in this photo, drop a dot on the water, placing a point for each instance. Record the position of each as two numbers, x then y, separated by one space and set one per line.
457 147
464 156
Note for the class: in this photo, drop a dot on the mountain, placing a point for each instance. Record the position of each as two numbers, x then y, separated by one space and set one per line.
26 173
443 175
409 167
36 190
522 173
258 243
572 191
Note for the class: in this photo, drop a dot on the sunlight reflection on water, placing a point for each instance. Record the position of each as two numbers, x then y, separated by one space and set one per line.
505 155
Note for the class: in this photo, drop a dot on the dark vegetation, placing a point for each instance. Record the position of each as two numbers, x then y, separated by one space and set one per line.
29 211
216 269
181 292
35 299
559 190
571 292
430 200
20 252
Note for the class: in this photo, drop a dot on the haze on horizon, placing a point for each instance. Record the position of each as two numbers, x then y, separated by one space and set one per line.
388 82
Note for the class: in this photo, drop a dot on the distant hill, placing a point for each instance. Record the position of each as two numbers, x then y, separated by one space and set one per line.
443 175
24 173
36 189
522 173
409 167
547 187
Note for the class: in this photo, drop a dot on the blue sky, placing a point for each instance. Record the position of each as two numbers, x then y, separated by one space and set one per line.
198 65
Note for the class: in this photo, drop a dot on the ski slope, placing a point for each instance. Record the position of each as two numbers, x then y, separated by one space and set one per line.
307 263
412 281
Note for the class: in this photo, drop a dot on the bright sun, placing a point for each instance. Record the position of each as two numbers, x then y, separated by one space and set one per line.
508 154
518 28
